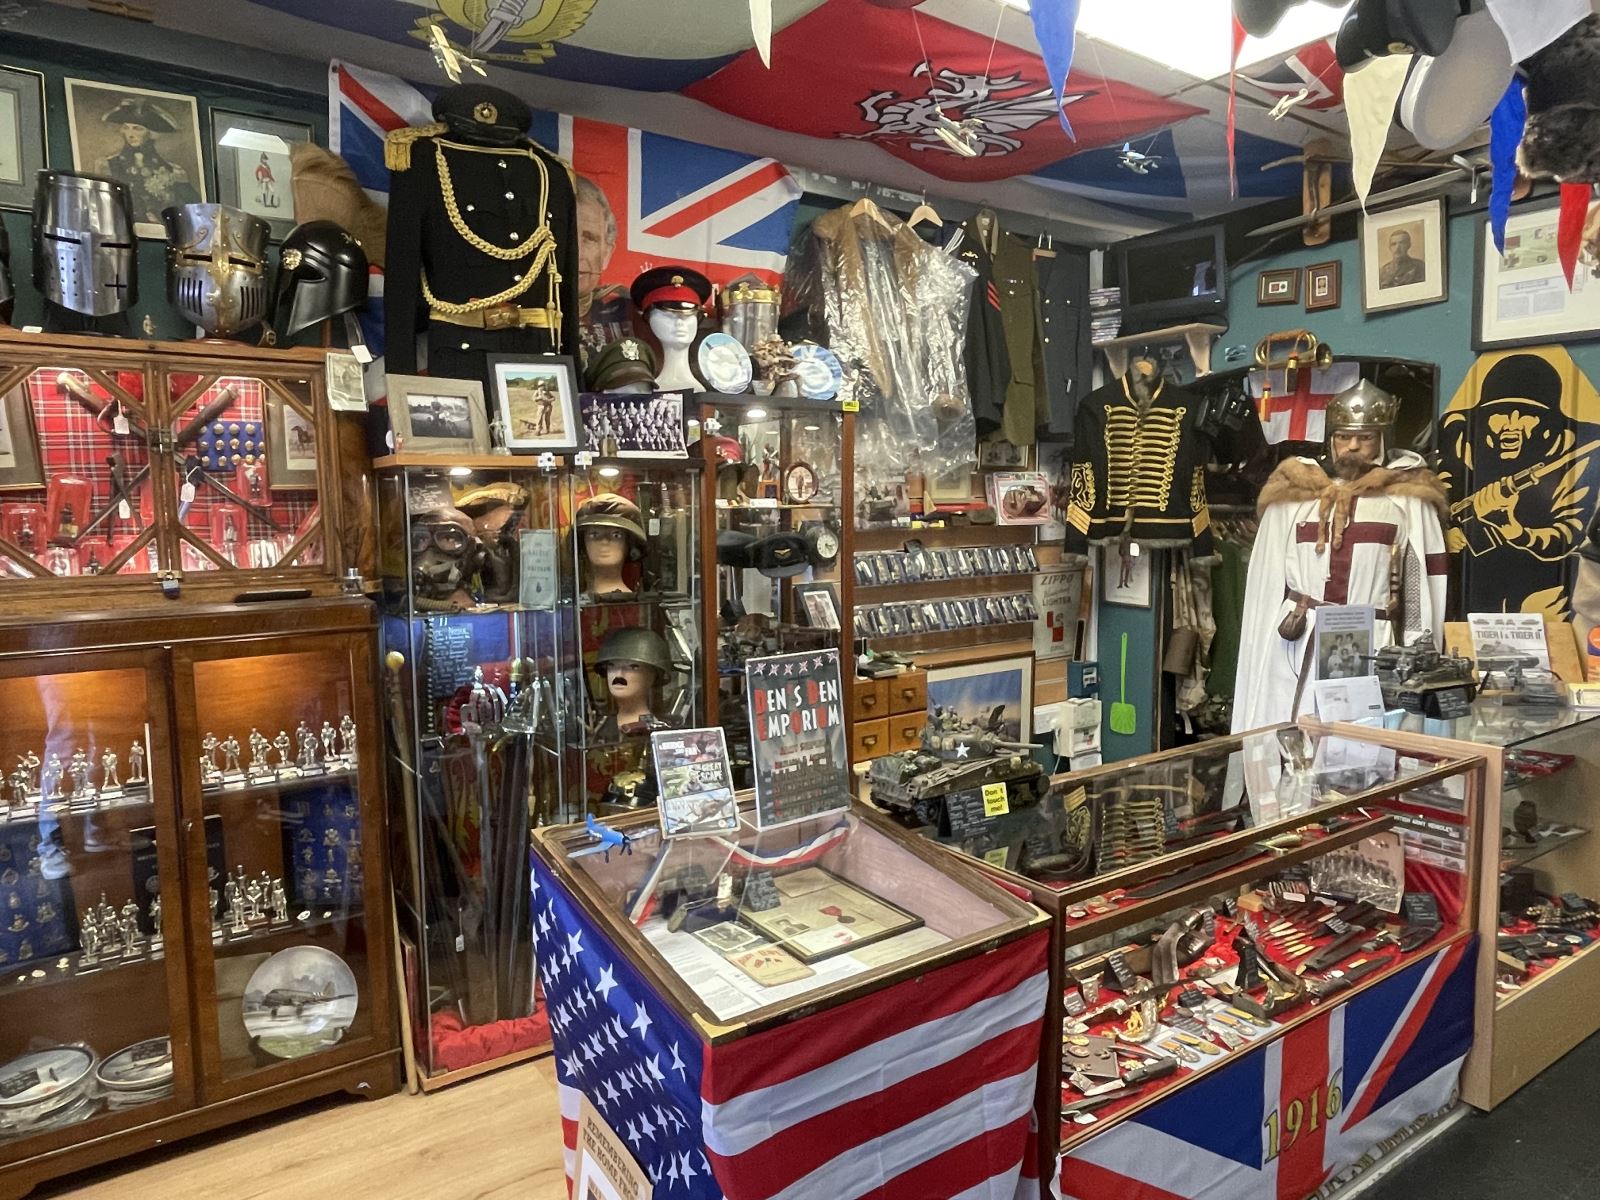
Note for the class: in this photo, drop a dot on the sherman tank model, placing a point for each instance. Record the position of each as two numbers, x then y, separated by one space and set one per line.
955 755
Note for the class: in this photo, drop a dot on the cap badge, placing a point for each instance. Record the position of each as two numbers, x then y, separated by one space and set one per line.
291 259
485 113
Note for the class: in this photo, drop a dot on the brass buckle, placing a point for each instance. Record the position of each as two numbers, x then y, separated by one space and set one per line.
502 316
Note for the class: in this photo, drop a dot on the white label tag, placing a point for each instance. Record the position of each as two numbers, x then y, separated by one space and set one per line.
1133 550
186 493
655 526
363 355
124 510
119 425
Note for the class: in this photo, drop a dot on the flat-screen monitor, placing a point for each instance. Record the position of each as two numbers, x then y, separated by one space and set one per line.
1181 275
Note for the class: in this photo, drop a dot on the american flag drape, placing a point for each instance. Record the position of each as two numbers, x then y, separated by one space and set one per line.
924 1089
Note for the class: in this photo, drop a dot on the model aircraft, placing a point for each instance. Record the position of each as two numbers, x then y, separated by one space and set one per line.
449 59
606 840
961 136
1137 161
280 999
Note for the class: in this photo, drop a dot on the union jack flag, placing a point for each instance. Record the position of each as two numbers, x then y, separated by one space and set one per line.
1278 1124
923 1089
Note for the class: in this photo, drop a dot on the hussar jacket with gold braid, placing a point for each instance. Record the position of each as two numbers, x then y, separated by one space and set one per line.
1139 474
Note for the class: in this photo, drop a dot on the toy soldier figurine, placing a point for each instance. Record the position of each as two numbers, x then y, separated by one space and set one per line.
252 898
135 764
230 756
19 785
50 779
259 747
281 745
89 939
209 774
155 920
82 789
235 895
329 737
483 238
130 929
110 783
1365 529
308 747
279 901
209 744
347 736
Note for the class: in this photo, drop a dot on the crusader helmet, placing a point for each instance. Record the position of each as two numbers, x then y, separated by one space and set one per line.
85 257
217 266
1365 408
322 273
635 644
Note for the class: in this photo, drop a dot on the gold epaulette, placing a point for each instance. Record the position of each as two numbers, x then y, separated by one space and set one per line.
397 144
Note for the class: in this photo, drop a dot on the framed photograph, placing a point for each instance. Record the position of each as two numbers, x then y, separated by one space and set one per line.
1404 257
291 447
1125 579
637 426
252 161
1521 297
995 695
695 780
23 150
442 416
21 464
536 402
819 915
347 390
1322 286
817 605
147 140
1278 287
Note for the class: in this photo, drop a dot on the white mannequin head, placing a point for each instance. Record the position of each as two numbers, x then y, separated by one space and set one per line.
674 328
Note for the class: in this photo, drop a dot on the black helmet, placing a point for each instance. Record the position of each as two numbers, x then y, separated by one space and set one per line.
322 273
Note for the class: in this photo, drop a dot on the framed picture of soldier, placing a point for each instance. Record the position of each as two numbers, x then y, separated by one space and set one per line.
438 415
252 163
23 153
1521 297
536 402
147 140
1403 257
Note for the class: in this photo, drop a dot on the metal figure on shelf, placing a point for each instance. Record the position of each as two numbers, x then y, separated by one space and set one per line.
281 745
347 736
329 737
155 920
209 744
279 902
19 780
110 781
307 740
29 762
230 755
50 779
235 895
89 939
136 763
78 768
130 929
252 901
259 748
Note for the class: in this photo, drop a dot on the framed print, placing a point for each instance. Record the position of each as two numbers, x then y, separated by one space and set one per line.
536 402
347 391
995 695
1403 257
648 425
147 140
1278 287
1001 454
291 447
817 605
21 464
1124 579
819 915
437 415
1322 286
252 162
23 150
1521 296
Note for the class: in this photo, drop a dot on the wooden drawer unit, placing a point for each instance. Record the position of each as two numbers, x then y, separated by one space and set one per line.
905 730
908 692
869 739
869 701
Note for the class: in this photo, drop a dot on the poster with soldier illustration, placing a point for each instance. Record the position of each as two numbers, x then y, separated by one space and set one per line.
1520 442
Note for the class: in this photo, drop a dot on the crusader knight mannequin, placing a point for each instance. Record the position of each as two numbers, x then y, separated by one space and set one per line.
671 299
1369 530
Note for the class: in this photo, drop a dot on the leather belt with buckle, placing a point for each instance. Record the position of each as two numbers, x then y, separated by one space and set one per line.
499 316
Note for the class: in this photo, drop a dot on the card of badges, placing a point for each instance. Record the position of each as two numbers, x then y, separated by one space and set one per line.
723 364
818 371
223 445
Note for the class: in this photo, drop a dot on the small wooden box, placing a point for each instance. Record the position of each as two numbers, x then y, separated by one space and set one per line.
870 700
905 731
908 692
869 739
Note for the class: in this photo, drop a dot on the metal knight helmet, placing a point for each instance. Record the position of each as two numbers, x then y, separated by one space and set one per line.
85 256
217 266
322 273
1365 408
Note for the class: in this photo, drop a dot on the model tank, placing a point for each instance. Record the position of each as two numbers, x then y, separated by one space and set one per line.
955 755
1436 685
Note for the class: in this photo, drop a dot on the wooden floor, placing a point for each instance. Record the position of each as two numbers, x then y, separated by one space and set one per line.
493 1138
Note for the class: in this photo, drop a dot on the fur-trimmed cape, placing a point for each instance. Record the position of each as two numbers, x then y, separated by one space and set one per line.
1299 479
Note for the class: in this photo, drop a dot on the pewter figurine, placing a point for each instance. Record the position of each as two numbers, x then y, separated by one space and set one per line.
50 779
347 736
30 762
110 781
259 747
208 771
281 745
279 901
136 763
155 920
308 746
252 897
19 785
209 744
329 736
78 768
130 929
89 939
230 756
235 894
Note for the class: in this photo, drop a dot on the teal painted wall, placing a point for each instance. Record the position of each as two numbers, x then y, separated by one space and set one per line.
1141 625
58 61
1440 333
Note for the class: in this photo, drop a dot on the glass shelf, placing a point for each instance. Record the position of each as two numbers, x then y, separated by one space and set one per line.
1521 853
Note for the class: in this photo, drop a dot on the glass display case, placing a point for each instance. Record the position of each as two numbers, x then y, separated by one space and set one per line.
780 495
632 605
475 649
1539 911
193 879
209 468
1208 899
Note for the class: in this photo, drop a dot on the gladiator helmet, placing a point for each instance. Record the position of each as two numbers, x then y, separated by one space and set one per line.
1365 408
217 266
85 256
322 273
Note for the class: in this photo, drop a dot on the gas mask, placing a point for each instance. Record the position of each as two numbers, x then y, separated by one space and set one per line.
216 266
445 553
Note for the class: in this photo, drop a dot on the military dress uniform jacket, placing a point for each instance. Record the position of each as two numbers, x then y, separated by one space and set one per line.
1067 357
505 196
1139 476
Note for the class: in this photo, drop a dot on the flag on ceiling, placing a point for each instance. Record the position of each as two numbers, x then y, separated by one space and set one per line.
1055 27
925 1088
1313 70
854 70
1369 1068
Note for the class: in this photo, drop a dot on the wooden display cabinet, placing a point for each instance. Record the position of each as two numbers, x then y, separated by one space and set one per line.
261 999
202 471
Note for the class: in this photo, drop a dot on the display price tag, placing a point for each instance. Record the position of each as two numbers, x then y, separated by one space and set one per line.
119 423
995 800
996 857
186 494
